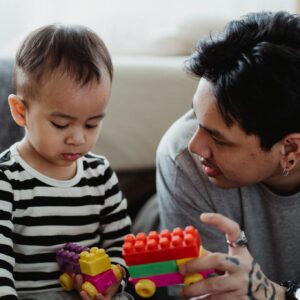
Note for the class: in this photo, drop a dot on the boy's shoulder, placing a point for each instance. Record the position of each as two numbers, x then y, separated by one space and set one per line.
7 158
92 160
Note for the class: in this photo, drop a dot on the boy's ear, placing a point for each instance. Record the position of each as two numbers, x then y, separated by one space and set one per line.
17 109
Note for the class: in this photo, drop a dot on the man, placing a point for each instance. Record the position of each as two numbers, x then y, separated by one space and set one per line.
234 158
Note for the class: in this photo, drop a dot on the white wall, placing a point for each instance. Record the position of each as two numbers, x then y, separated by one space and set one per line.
123 24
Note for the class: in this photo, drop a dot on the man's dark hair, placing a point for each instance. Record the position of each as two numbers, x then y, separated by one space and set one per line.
76 50
254 66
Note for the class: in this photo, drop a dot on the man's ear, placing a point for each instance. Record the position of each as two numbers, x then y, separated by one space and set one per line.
17 109
290 151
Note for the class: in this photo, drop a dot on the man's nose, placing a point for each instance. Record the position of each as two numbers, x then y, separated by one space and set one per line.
199 144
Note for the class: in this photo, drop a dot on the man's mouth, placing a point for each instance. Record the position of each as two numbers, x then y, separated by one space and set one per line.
209 169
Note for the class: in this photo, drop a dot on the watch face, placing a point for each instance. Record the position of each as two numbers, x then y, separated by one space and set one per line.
297 294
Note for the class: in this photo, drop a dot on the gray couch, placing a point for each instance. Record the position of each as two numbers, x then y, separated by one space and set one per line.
9 131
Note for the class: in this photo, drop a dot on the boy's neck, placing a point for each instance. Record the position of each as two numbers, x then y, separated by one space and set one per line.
32 158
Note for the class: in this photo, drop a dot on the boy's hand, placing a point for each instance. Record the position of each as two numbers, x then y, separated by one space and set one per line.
107 295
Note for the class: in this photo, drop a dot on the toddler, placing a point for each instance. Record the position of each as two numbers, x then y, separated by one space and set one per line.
53 190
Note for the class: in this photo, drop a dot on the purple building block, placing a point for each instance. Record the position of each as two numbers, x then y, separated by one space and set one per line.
67 257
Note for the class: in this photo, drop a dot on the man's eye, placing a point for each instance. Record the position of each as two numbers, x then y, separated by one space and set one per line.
59 126
219 142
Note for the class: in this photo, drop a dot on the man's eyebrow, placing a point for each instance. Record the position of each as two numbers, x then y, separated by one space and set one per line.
213 132
62 115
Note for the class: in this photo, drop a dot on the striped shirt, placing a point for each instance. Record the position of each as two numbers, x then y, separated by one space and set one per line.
39 214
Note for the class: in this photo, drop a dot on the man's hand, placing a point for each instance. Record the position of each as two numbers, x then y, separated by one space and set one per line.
242 277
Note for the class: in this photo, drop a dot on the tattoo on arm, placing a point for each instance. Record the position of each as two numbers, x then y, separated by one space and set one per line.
259 285
233 260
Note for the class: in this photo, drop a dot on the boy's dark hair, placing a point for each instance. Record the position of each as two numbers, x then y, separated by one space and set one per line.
76 49
254 66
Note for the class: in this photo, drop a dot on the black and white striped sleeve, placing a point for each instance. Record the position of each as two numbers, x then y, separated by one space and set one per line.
7 260
114 220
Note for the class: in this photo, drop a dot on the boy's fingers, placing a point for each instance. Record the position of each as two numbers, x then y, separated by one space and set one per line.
84 296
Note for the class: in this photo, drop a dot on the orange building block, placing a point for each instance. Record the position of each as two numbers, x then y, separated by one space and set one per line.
163 246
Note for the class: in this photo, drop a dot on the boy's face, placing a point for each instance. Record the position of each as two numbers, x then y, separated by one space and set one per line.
230 157
63 121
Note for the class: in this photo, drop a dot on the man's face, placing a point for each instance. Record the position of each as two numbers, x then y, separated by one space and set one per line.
63 122
229 157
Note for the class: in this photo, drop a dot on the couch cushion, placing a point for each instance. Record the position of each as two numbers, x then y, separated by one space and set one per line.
9 131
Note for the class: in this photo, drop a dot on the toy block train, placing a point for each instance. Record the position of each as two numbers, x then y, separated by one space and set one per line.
94 265
153 259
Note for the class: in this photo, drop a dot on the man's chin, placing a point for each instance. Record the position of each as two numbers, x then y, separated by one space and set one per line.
223 183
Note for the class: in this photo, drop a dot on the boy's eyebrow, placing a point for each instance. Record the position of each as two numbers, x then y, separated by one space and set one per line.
61 115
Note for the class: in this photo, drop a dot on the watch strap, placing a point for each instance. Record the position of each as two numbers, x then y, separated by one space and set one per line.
291 289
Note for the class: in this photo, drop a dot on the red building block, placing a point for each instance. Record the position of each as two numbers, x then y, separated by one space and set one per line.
163 246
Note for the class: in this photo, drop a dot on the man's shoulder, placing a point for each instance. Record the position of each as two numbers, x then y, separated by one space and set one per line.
175 140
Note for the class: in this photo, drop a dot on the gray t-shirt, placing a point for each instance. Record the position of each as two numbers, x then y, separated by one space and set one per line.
271 221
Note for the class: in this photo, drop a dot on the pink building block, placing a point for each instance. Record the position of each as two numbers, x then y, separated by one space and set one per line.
169 279
163 279
101 281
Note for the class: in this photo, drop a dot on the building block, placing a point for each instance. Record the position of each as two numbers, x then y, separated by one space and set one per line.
102 281
163 279
163 267
93 264
67 257
94 261
153 260
163 246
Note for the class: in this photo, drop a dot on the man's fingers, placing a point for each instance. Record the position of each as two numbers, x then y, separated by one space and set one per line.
217 261
235 237
222 223
221 285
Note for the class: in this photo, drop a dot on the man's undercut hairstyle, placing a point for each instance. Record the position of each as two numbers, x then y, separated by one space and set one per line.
254 66
75 50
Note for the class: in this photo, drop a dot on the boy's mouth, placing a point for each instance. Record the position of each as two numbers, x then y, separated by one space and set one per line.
71 156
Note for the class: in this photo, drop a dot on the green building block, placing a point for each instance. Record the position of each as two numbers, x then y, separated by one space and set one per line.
164 267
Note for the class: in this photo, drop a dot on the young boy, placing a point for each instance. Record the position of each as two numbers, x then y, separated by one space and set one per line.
52 189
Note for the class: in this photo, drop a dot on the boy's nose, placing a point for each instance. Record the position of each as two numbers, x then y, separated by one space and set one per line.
77 138
199 145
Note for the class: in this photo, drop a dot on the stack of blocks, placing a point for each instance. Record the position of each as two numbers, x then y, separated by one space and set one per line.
94 265
153 259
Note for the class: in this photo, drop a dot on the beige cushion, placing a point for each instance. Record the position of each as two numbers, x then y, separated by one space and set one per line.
149 94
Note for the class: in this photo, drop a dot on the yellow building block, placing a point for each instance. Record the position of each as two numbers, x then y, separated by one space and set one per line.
94 262
202 252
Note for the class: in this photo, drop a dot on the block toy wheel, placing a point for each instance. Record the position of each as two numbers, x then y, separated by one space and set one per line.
90 289
117 272
66 282
192 278
145 288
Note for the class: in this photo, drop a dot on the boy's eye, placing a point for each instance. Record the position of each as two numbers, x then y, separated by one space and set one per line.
59 126
89 126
